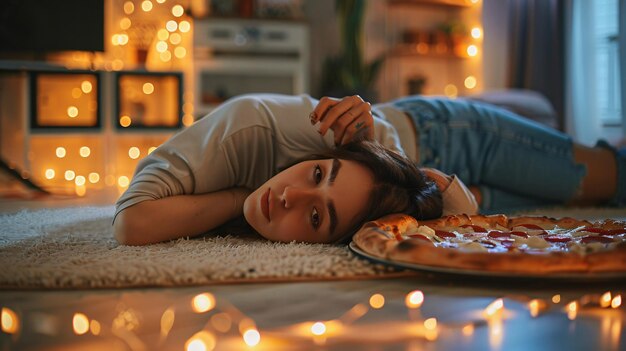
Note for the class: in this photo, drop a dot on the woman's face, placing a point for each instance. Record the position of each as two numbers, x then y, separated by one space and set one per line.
312 201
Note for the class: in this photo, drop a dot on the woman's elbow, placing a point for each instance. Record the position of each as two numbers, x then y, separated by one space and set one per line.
126 230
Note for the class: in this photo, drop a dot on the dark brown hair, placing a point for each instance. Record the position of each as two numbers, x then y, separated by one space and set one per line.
399 185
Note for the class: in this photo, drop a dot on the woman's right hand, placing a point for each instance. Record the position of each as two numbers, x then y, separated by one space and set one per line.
350 118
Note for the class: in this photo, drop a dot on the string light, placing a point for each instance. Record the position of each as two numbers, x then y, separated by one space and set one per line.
125 121
617 301
180 52
556 298
201 341
146 5
9 321
80 323
414 299
123 181
72 111
175 38
252 337
472 50
125 23
50 173
184 26
163 34
476 33
178 11
377 301
94 177
203 302
86 87
605 299
572 309
129 7
148 88
171 25
79 180
84 151
470 82
318 328
494 308
69 175
94 326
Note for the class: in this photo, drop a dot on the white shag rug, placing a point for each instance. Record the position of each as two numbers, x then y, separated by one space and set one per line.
74 248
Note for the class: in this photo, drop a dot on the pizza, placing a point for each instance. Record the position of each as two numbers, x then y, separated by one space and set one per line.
498 243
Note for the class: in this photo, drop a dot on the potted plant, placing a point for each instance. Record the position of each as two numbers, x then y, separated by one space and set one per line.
347 73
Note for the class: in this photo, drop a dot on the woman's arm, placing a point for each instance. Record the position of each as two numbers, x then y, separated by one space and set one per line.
178 216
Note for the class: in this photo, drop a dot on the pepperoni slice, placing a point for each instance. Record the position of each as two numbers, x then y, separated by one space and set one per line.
602 231
476 228
557 239
596 239
419 236
499 234
507 243
444 234
518 233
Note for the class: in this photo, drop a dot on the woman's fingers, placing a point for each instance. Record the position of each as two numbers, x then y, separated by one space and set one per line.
322 108
337 111
361 128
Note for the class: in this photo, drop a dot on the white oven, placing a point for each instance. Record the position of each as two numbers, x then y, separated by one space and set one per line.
238 56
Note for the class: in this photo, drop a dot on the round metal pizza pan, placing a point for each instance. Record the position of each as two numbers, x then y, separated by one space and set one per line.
582 277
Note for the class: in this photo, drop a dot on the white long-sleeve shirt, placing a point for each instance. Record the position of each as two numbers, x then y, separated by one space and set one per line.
243 143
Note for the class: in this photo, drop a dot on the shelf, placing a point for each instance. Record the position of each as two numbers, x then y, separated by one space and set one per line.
441 3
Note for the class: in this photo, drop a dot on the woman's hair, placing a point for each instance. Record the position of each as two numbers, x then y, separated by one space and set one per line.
399 185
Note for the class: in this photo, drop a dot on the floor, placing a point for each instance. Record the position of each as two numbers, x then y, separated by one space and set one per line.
456 313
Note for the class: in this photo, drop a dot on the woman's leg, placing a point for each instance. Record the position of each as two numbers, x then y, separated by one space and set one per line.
486 145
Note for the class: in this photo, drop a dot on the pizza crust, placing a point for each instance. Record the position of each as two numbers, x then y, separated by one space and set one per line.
380 238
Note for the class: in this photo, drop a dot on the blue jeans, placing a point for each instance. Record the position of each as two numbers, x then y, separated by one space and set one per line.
517 163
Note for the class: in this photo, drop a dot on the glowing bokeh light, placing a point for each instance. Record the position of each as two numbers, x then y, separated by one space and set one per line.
178 10
79 180
251 337
9 321
605 299
171 25
86 87
146 5
129 7
472 50
94 177
123 181
72 111
84 151
414 299
318 328
148 88
451 91
201 341
60 152
134 152
180 52
377 301
202 303
50 173
80 323
556 298
476 33
125 23
617 301
161 46
176 38
184 26
430 323
94 326
70 175
470 82
125 121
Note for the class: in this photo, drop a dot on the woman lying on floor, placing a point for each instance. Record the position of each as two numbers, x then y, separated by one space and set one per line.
246 158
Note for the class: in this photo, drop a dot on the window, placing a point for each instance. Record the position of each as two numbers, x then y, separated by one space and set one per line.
605 27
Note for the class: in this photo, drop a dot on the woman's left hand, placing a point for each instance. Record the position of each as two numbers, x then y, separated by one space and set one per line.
350 118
